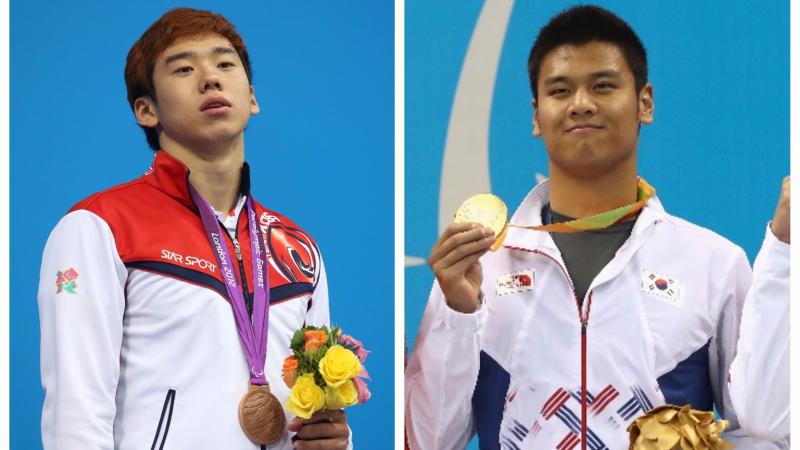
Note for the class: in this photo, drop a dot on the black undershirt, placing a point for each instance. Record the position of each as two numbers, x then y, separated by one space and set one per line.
586 253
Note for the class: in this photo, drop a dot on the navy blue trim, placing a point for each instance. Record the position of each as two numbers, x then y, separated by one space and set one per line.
511 444
488 401
643 400
279 293
629 408
169 404
570 420
547 214
245 185
577 396
689 382
276 294
183 273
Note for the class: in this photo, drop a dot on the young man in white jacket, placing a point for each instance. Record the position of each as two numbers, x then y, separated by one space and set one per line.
140 347
561 339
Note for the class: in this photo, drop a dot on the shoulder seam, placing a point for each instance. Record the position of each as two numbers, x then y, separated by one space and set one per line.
96 196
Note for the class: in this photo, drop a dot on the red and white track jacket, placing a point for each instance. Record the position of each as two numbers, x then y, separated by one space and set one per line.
139 347
531 369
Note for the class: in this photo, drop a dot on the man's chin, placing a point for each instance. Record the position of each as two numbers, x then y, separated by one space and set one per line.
211 142
585 165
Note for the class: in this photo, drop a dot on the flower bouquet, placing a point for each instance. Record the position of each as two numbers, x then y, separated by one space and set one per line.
324 371
670 427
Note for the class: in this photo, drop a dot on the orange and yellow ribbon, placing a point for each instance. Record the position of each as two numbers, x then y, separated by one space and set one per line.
602 220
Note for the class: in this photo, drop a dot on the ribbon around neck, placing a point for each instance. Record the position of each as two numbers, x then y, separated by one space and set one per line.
252 334
604 219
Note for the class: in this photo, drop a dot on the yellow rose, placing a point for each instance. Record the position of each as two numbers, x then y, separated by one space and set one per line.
338 365
306 397
339 397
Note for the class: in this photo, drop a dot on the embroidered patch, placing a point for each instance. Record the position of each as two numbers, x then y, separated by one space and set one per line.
66 281
662 286
510 283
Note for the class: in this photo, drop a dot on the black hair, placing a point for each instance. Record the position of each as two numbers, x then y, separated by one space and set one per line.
580 25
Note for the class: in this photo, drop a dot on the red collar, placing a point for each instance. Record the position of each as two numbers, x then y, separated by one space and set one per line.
171 176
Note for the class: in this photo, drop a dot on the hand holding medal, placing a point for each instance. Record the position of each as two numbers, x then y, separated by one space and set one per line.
481 224
454 257
487 210
490 211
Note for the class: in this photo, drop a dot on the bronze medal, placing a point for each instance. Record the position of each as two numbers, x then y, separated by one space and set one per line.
261 415
487 210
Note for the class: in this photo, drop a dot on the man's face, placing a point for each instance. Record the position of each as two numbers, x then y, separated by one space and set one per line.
202 92
588 111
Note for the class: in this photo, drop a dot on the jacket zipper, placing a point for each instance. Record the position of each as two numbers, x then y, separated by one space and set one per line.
584 404
584 321
247 299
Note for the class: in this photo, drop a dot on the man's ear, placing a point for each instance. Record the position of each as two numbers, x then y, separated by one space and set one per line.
146 111
646 104
537 131
254 108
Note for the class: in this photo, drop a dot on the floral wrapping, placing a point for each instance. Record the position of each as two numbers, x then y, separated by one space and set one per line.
325 371
671 427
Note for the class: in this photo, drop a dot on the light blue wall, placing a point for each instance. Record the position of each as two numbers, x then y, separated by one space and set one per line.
716 153
321 152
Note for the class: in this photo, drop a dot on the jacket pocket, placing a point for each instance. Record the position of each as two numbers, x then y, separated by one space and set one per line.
163 422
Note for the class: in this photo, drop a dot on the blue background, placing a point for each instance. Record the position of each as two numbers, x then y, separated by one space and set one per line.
324 77
716 153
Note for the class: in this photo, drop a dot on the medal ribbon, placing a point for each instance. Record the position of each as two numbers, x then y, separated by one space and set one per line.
604 219
252 335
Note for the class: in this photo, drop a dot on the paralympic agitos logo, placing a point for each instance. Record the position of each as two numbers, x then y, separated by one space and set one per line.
292 251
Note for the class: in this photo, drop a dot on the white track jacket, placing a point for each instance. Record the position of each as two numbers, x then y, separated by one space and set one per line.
530 369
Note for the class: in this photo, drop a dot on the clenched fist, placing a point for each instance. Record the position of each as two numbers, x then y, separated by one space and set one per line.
454 260
780 222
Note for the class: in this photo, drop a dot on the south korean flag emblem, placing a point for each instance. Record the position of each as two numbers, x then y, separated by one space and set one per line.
663 286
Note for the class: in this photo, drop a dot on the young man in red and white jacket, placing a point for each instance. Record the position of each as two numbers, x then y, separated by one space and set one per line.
139 343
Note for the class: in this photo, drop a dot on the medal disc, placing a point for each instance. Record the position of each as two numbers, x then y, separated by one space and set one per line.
261 416
487 210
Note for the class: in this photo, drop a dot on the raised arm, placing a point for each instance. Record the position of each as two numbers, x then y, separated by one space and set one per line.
759 376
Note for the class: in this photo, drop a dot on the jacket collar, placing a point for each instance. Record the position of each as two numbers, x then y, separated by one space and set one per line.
170 176
529 213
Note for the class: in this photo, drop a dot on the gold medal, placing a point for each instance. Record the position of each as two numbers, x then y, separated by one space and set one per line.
487 210
261 415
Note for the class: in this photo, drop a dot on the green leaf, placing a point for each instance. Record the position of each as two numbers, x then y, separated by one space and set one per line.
298 339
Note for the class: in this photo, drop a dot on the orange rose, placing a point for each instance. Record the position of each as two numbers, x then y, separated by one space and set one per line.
315 339
290 365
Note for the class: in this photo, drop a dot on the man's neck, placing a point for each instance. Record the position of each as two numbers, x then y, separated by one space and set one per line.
215 173
579 196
